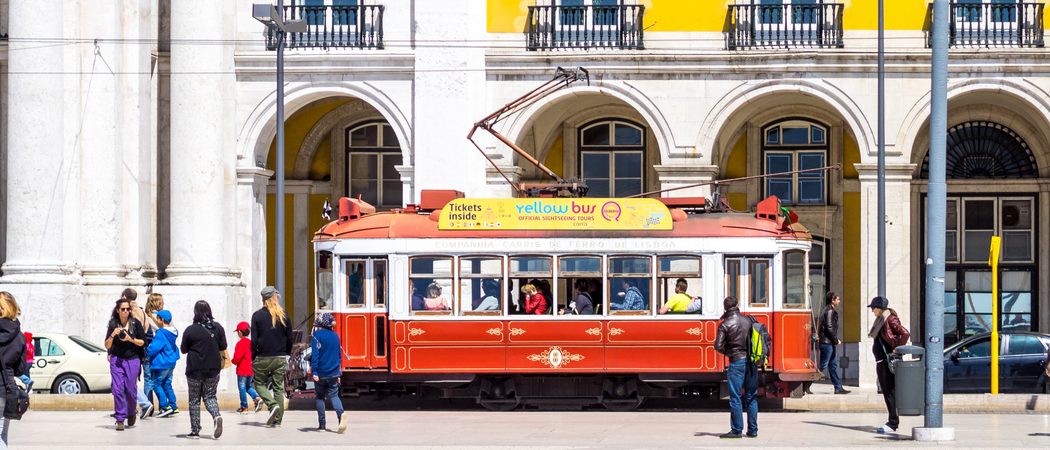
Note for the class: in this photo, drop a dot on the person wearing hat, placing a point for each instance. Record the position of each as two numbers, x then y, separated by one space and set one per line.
242 358
163 354
271 344
887 333
326 357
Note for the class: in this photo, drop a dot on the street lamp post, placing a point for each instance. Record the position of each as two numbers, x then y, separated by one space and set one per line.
273 17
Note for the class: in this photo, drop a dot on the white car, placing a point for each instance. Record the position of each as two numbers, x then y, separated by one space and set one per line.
67 364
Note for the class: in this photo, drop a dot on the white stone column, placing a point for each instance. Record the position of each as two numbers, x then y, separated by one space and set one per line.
38 171
199 142
679 176
251 231
899 252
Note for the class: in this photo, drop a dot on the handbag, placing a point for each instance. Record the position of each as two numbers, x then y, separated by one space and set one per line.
16 400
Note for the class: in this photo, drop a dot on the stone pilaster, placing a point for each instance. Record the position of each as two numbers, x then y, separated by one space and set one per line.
679 176
251 229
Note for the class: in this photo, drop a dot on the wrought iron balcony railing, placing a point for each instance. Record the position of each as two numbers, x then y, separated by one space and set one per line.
353 26
596 26
817 25
994 23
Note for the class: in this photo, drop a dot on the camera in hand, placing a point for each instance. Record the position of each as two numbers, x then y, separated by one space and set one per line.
123 334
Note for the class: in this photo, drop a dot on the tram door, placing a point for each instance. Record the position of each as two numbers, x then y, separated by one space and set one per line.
364 327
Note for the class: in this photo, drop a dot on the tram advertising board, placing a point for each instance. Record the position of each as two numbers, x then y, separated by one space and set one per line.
555 214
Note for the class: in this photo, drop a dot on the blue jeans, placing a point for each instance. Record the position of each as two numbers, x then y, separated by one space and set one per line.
145 397
245 387
327 388
830 362
162 387
742 376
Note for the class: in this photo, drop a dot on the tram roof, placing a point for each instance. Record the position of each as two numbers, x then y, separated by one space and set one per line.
407 225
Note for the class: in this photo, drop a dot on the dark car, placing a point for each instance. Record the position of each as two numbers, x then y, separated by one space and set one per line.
1022 357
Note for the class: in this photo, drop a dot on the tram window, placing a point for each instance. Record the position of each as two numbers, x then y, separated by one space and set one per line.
481 285
379 273
354 270
795 279
672 271
630 284
734 277
536 271
758 275
579 283
324 280
431 279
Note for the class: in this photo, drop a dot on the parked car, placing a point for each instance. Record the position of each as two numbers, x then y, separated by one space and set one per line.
1022 357
67 364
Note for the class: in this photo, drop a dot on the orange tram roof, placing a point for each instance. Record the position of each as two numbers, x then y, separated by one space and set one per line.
411 223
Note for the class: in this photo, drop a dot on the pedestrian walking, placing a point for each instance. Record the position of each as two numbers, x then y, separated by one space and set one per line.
164 353
242 358
203 343
125 338
829 341
30 359
144 393
326 357
12 356
741 375
888 334
271 345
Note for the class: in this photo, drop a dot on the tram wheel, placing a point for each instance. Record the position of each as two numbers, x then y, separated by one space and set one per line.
622 404
498 394
621 394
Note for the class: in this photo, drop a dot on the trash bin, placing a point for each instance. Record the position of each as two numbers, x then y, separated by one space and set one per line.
909 371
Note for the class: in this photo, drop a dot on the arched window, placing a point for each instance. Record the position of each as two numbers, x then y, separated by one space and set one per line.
982 149
793 145
373 152
612 158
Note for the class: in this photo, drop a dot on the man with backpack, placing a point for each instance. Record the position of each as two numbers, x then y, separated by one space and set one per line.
734 340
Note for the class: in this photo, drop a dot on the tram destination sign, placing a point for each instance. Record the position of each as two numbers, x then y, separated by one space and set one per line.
555 214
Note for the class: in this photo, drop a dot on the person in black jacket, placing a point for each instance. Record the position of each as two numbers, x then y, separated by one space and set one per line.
125 337
271 345
828 331
203 343
12 354
741 375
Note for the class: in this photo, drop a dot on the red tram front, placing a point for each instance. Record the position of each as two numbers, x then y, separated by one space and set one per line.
429 299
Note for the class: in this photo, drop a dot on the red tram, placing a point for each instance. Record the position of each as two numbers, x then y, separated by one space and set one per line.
429 298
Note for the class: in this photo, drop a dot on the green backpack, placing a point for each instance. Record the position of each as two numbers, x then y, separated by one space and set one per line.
759 344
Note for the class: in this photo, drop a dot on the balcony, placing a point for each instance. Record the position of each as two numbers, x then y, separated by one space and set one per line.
998 24
784 26
585 27
333 26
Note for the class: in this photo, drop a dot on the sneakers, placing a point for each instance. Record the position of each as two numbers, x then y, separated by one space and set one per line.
885 429
218 428
258 403
146 412
344 421
841 391
322 428
165 412
132 419
272 419
174 411
731 435
752 435
242 410
120 426
193 435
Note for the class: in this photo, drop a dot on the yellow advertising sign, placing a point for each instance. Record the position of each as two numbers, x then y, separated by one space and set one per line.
555 214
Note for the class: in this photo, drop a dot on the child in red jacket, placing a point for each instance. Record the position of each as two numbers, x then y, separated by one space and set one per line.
242 358
30 362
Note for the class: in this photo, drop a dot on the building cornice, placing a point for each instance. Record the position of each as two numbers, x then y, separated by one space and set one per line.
259 63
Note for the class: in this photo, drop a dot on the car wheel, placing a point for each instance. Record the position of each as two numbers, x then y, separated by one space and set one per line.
69 384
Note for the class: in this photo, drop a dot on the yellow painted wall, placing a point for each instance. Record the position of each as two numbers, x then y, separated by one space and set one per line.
297 127
509 16
555 160
736 164
850 156
851 301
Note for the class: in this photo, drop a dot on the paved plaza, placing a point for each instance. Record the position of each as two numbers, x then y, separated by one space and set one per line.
526 429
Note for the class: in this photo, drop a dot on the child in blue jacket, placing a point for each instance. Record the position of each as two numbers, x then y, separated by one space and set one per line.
326 359
164 354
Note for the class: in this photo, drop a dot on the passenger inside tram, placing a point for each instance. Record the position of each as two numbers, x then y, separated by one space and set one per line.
535 302
582 302
681 302
418 302
434 301
490 301
630 297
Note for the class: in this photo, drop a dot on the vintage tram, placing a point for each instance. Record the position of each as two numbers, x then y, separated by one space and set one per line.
429 298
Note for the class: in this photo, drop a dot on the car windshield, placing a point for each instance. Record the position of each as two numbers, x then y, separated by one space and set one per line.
87 345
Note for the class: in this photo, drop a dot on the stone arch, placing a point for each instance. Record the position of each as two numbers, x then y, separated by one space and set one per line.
517 128
1021 107
261 127
822 116
354 111
749 98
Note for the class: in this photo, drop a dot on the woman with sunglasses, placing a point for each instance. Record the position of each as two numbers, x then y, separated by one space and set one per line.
125 337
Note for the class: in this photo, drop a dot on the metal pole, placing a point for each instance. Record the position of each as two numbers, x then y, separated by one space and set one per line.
279 158
935 218
881 217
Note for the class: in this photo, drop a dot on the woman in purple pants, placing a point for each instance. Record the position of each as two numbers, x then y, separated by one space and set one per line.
124 340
